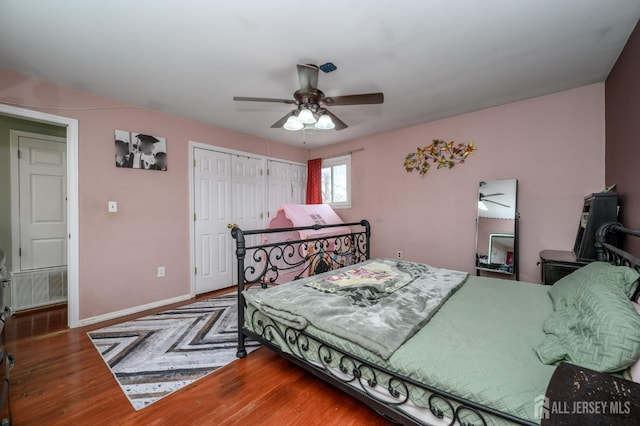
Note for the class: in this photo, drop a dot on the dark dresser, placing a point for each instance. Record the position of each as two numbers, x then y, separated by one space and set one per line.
557 264
598 209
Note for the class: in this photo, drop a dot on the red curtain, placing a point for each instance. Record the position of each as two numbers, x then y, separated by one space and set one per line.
314 181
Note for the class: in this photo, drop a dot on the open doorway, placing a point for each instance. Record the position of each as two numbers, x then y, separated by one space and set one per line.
40 235
36 247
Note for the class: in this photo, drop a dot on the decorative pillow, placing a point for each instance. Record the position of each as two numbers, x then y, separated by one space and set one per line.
597 329
569 288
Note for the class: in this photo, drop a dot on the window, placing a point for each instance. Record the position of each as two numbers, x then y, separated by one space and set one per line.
336 181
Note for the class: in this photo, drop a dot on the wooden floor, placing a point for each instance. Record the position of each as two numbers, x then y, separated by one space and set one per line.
59 378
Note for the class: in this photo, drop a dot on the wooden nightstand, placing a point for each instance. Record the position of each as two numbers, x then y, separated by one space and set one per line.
557 264
578 396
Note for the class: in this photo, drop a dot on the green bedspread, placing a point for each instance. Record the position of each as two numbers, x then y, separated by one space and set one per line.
379 321
477 346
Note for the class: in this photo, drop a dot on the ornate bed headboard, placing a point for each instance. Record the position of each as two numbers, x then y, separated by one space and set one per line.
608 252
268 256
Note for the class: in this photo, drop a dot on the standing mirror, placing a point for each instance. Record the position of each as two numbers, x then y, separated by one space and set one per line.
497 228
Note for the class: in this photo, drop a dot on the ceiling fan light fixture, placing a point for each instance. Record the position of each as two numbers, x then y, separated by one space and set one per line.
306 116
482 206
325 123
293 124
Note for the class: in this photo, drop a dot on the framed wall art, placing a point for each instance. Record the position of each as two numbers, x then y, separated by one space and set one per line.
140 151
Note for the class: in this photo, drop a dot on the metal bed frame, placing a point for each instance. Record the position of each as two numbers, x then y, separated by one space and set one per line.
381 389
608 252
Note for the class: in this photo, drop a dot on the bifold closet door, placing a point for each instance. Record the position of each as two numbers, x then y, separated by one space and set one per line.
298 184
248 201
229 190
279 186
212 203
287 184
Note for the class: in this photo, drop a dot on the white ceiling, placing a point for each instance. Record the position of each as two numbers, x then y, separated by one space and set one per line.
432 59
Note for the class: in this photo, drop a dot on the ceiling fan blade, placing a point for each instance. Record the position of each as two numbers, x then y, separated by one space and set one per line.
250 99
493 195
495 202
308 75
340 125
364 99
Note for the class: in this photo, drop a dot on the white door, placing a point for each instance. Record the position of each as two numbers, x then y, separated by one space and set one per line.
248 200
212 199
248 192
229 189
42 200
298 184
279 186
287 184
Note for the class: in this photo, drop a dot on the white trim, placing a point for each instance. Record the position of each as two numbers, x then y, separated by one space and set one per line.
194 144
14 178
336 161
73 225
133 310
192 229
192 242
280 160
14 146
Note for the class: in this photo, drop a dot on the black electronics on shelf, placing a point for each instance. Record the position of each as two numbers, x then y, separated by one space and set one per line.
598 209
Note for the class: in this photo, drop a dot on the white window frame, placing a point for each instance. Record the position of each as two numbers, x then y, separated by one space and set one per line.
338 161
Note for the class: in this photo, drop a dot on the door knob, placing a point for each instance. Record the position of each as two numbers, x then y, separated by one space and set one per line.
232 225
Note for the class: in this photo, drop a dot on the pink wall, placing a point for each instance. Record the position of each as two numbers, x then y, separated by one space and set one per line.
554 145
119 252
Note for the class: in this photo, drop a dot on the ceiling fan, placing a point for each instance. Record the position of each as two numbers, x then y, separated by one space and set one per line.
483 198
311 104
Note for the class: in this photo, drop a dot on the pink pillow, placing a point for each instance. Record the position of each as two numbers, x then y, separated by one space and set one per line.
634 370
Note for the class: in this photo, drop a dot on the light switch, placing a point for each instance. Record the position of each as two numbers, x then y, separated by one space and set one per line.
113 206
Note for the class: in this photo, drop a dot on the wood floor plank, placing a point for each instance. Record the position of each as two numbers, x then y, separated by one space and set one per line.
59 378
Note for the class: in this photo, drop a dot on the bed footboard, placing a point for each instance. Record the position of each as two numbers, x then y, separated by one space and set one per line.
389 394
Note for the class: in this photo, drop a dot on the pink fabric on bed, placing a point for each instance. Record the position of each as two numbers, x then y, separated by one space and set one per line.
294 215
290 215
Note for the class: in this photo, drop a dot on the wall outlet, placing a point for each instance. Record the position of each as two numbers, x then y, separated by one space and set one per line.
399 254
160 271
112 206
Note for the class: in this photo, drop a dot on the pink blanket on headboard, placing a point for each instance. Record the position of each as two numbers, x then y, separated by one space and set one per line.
293 215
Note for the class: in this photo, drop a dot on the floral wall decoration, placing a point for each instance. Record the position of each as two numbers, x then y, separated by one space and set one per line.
438 152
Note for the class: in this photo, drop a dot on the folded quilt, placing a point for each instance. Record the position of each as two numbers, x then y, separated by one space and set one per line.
379 315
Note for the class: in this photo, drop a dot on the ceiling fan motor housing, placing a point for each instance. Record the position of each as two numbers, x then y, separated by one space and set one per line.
309 98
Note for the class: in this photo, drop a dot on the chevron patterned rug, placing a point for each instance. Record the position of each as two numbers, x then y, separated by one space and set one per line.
156 355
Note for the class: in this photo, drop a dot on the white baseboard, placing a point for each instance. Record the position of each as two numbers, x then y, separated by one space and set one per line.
133 310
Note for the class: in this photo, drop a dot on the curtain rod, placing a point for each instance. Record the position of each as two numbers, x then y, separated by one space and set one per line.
343 153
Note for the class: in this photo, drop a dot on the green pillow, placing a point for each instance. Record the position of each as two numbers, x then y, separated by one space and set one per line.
599 329
569 288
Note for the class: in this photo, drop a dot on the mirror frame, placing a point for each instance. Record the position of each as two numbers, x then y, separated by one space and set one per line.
500 235
516 270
